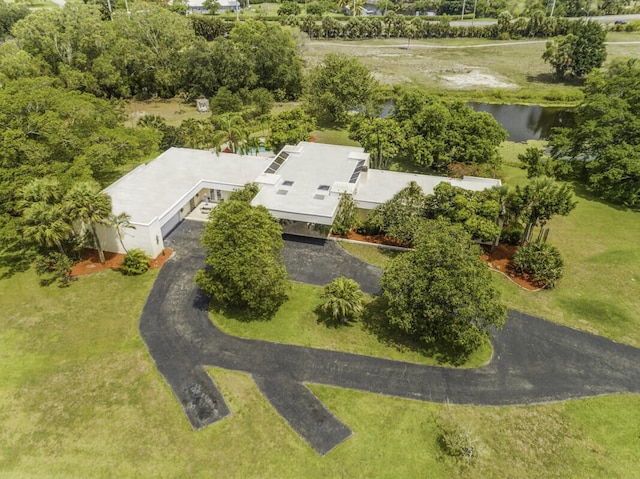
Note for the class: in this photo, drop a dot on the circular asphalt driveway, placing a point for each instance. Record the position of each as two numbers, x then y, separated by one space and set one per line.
534 360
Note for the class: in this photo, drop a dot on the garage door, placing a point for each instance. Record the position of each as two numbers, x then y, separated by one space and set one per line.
170 225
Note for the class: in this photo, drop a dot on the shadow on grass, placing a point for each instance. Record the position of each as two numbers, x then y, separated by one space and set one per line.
375 321
237 313
14 261
597 311
548 78
581 190
329 321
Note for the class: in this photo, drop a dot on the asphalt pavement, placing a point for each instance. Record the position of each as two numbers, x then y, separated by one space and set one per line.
534 360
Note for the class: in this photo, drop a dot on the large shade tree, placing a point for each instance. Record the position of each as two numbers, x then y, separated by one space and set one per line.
245 267
339 84
442 293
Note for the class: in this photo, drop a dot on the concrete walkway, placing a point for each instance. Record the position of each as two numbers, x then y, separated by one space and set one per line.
535 361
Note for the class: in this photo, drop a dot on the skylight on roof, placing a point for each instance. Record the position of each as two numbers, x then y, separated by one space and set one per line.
282 192
277 162
323 187
319 197
356 171
287 183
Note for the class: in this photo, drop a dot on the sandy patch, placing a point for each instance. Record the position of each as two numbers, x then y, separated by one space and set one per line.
475 79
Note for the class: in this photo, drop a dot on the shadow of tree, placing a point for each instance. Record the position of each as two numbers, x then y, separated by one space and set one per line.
376 321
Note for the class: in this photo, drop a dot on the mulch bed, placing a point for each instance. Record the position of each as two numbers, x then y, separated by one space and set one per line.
91 262
500 260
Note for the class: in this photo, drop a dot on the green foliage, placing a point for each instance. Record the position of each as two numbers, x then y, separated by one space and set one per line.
579 52
246 194
442 292
602 148
537 202
401 216
542 260
263 100
438 133
273 56
225 101
55 267
339 84
289 128
476 211
381 137
288 8
10 13
343 300
86 204
346 215
245 268
536 163
134 263
457 442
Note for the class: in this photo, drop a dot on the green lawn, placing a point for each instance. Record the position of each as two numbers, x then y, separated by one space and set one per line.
297 323
82 398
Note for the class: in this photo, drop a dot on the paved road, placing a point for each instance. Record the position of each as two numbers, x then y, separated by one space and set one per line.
534 361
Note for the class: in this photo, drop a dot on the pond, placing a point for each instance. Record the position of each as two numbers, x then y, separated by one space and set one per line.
522 122
527 122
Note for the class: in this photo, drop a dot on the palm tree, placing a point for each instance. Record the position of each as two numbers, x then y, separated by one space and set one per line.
230 129
87 204
344 300
120 223
46 225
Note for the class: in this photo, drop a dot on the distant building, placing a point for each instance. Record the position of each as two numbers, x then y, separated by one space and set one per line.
196 6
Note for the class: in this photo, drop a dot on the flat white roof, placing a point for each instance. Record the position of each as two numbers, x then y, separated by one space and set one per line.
153 188
379 186
310 180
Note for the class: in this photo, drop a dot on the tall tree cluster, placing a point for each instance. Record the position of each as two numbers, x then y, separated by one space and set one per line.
603 149
151 50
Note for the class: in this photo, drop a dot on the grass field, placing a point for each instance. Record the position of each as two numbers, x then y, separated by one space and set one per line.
297 323
81 398
470 69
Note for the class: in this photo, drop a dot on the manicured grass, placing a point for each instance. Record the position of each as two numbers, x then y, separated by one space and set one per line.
81 397
297 323
174 111
370 253
333 136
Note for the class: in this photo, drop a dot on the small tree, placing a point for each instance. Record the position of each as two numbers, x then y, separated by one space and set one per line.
542 260
135 262
344 300
120 223
346 216
579 52
289 128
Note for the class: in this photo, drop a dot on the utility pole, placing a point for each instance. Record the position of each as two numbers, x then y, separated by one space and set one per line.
553 7
462 16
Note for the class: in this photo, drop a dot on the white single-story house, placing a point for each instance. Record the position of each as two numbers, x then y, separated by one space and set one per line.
197 6
301 186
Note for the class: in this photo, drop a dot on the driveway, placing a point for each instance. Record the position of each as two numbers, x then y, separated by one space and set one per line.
535 360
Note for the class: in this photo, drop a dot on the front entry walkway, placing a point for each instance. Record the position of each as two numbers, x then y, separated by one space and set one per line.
534 361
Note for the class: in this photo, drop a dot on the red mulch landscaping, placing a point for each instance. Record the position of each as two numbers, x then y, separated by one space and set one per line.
91 262
500 259
376 239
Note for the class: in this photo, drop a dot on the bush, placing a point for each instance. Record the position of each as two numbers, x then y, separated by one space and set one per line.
458 442
344 301
135 262
542 260
288 8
